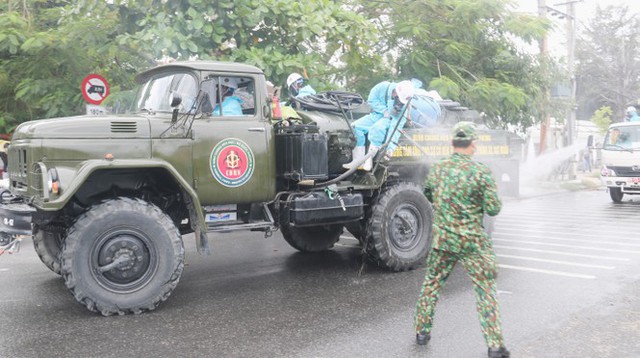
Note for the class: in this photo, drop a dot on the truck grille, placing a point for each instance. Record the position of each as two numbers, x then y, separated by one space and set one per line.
18 168
124 127
625 171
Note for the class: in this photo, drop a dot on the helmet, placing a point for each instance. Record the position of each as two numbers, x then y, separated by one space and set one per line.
464 130
405 90
631 109
293 78
229 82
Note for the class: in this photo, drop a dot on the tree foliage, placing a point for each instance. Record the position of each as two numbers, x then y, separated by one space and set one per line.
602 118
608 55
319 38
44 58
467 50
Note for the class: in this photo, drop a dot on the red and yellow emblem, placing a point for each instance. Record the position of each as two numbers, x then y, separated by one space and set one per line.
232 162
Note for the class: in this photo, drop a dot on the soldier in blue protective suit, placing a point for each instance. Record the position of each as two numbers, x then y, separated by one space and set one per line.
297 87
387 101
231 105
631 115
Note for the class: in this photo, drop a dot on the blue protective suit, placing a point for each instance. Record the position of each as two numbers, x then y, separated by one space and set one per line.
424 110
377 124
634 117
231 106
305 91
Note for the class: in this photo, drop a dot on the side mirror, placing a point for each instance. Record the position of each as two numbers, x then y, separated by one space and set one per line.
175 99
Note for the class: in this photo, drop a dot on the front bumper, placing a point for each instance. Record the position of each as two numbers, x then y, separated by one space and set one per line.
628 185
15 218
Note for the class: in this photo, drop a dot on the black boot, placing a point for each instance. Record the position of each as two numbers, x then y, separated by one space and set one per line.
501 352
422 338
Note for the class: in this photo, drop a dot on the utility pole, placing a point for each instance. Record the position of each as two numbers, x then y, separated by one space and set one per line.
571 47
544 49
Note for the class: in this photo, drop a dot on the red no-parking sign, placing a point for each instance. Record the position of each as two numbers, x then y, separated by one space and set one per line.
95 88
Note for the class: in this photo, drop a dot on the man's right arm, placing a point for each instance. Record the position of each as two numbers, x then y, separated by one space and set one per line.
429 185
492 203
377 98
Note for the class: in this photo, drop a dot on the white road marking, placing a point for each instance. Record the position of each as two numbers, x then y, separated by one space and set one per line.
570 246
548 272
591 232
4 269
568 263
598 242
561 253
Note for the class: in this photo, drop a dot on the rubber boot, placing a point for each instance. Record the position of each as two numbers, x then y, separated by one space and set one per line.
422 338
368 164
501 352
356 156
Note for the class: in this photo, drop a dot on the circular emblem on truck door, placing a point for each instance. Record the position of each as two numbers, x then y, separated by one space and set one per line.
232 162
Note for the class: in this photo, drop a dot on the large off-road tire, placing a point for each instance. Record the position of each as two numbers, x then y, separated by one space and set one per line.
313 238
398 233
48 245
616 195
143 241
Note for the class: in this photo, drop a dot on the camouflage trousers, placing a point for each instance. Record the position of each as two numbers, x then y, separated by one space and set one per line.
481 268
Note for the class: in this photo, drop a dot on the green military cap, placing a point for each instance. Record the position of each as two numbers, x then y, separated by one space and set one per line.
464 131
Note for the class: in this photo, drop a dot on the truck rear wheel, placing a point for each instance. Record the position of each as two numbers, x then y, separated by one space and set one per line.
48 245
313 238
122 256
398 232
616 195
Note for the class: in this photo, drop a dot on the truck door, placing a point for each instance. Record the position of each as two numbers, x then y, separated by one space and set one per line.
233 155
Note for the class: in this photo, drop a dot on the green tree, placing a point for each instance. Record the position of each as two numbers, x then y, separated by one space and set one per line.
468 51
602 118
319 38
608 54
44 56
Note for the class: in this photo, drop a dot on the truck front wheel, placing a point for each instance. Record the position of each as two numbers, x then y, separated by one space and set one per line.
122 256
313 238
616 195
398 233
47 245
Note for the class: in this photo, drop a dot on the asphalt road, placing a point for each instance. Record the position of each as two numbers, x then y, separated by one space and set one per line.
569 287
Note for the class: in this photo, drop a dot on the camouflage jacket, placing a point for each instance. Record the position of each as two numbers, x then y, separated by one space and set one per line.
461 191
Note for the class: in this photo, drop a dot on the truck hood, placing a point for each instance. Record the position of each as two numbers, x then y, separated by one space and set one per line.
85 127
620 158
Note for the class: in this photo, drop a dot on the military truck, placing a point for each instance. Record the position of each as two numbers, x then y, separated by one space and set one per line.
108 199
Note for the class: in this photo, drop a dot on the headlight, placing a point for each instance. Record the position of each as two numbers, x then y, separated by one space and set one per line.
606 172
53 182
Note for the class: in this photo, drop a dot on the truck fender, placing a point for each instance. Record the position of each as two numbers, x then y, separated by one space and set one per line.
196 216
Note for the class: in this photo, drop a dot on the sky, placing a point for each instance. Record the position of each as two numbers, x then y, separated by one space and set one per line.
585 10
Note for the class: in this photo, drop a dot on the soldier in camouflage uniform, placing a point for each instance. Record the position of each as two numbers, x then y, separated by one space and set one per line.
462 192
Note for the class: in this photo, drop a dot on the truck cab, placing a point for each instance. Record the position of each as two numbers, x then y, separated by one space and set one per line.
621 160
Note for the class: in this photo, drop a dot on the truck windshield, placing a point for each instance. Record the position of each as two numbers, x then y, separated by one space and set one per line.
155 94
622 138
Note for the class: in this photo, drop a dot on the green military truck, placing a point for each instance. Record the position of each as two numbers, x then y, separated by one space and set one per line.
108 199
